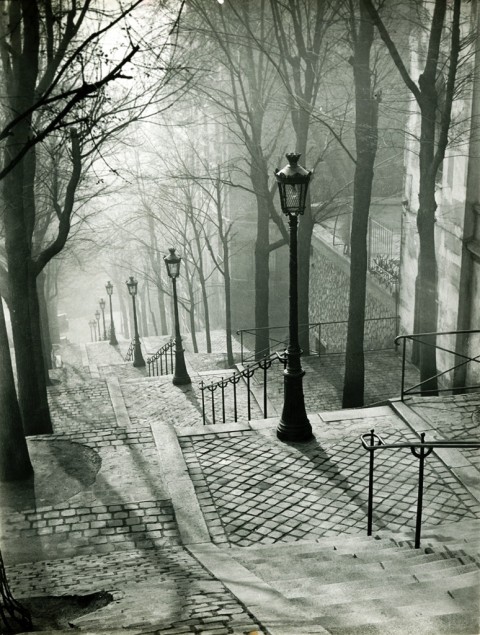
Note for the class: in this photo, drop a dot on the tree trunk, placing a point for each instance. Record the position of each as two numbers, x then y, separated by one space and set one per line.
427 263
193 332
44 324
161 309
366 120
143 311
32 392
152 312
14 458
228 304
123 311
305 231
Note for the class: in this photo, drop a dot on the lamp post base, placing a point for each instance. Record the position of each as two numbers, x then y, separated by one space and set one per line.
294 426
181 376
138 360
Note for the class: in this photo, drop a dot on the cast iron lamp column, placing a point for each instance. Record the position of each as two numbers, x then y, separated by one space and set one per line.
94 324
138 360
181 376
97 317
294 425
113 338
102 306
91 324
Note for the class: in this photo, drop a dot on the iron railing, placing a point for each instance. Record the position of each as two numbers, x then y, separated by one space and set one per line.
446 376
159 362
381 240
373 442
129 354
246 375
13 616
327 337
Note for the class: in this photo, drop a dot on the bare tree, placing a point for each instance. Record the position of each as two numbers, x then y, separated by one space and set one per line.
442 60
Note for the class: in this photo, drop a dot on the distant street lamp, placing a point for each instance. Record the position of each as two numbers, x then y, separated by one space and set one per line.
294 425
91 324
138 360
181 376
113 338
102 306
97 317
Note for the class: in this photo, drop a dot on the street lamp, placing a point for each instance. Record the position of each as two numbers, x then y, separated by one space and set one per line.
113 338
294 425
91 324
138 360
181 376
97 317
102 306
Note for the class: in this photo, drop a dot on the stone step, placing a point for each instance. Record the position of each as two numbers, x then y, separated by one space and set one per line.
461 623
342 567
331 592
463 569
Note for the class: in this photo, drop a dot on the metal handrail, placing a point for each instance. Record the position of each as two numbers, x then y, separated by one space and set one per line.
414 337
302 328
156 361
246 374
129 354
420 450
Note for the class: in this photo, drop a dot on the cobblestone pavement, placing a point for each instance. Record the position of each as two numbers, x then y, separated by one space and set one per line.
261 492
107 497
454 417
323 380
159 399
81 407
165 590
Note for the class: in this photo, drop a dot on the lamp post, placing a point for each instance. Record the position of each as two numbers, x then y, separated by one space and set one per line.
294 425
113 338
102 306
138 360
181 376
91 324
97 317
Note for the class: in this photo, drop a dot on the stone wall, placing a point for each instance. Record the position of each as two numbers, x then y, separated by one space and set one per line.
329 291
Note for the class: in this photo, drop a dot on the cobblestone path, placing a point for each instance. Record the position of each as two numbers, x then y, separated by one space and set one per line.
159 399
263 492
162 590
454 417
84 407
323 380
109 497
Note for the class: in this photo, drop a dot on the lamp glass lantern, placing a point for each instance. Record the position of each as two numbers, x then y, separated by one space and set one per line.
173 263
97 314
102 303
293 182
132 285
109 288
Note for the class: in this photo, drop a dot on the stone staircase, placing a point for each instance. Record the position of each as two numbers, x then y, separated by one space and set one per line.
351 585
